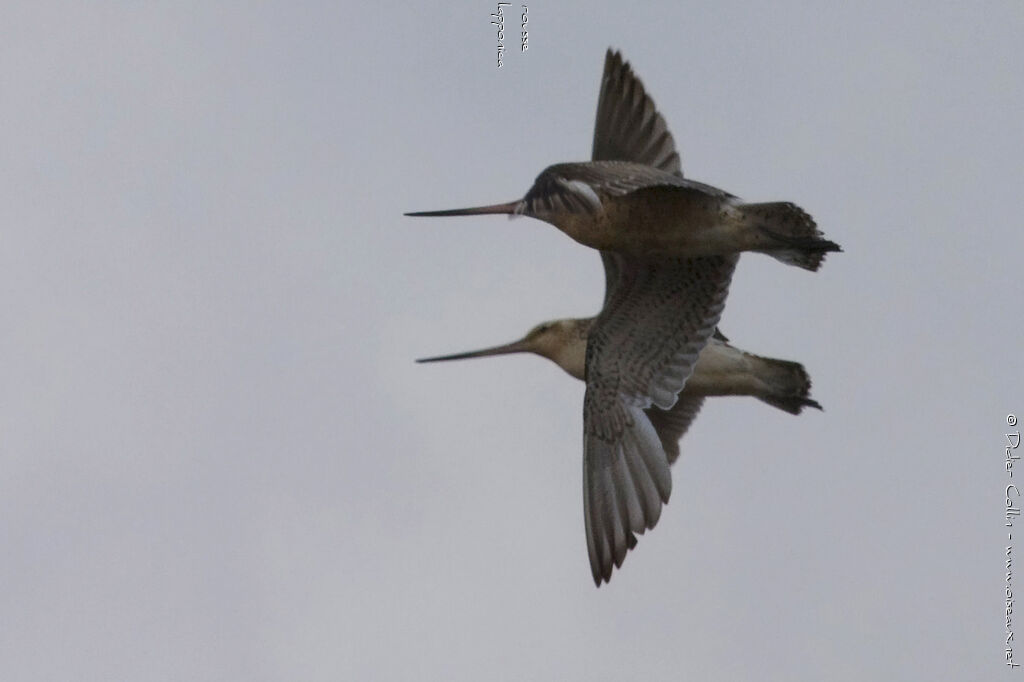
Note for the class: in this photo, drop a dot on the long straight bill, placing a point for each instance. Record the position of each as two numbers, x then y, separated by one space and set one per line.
507 209
517 347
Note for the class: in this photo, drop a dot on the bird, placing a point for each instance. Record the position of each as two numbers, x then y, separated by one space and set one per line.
669 247
641 205
721 370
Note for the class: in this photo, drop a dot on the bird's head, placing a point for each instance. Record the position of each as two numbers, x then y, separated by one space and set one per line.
562 341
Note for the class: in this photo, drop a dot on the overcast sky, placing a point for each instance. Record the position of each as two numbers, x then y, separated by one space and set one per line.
218 460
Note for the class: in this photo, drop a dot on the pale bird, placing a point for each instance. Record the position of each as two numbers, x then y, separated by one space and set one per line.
721 370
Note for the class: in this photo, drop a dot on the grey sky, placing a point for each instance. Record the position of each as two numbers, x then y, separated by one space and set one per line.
220 462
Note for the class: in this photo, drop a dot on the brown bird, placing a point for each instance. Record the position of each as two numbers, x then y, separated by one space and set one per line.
632 198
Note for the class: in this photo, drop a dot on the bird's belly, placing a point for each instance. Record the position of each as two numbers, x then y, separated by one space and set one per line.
661 225
722 370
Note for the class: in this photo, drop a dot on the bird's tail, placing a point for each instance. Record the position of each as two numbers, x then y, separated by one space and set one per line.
791 234
788 384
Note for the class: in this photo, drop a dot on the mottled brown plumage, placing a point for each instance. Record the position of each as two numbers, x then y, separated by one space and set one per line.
669 246
632 198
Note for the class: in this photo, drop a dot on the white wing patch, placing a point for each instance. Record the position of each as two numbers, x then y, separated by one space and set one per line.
582 191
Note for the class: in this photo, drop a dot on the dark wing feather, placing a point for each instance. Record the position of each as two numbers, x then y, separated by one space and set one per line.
672 424
657 317
628 125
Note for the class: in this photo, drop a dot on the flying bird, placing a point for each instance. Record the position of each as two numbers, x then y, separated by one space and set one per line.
669 247
632 198
721 370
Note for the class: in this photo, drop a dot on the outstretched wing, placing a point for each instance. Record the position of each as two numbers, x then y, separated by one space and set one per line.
628 125
626 480
657 317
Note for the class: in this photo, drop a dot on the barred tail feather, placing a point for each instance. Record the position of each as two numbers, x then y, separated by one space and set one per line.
788 384
792 235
